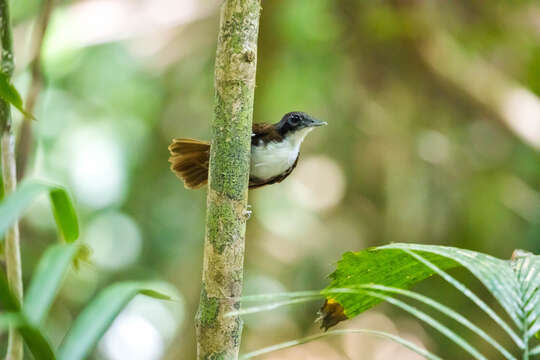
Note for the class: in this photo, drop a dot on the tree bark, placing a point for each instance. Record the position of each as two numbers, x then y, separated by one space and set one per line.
218 336
12 250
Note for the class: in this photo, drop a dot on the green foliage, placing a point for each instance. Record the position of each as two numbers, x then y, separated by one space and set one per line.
37 343
64 214
88 328
49 274
9 93
368 267
368 277
8 319
98 316
14 205
498 276
47 280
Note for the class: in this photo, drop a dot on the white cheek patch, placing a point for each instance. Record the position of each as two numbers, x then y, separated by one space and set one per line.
275 158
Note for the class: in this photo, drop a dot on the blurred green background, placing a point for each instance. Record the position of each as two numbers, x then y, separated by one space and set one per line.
433 137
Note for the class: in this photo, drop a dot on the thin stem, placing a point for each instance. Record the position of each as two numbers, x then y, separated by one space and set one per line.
305 296
9 173
12 247
526 353
282 295
24 143
426 354
271 306
526 323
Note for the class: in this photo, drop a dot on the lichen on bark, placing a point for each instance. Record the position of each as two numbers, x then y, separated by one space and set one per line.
218 336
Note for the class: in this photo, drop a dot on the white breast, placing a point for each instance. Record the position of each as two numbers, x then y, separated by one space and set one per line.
276 157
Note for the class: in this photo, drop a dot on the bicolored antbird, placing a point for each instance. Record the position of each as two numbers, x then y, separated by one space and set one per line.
274 152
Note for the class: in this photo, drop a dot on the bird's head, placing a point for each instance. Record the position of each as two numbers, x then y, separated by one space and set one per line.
297 121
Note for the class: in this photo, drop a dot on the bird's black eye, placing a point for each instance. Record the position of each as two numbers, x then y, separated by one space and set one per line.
294 120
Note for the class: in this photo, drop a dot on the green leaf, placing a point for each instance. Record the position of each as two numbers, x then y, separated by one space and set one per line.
36 341
64 214
388 267
514 283
306 296
96 318
46 281
9 93
14 205
8 319
7 300
365 290
497 275
468 293
368 277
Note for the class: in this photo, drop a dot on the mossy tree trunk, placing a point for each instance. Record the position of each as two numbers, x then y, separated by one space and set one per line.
9 174
218 336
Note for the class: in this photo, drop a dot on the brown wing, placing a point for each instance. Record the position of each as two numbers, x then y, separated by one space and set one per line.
255 182
189 161
264 132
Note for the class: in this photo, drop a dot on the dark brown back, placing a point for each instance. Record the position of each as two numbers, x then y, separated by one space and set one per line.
263 132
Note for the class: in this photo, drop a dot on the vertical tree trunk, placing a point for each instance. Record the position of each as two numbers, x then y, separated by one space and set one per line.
218 336
12 251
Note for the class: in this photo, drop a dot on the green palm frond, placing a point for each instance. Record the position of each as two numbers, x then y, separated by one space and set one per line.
366 278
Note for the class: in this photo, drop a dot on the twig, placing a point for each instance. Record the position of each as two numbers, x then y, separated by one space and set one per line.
24 143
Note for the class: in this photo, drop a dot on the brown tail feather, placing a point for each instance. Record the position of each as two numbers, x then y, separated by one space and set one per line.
189 161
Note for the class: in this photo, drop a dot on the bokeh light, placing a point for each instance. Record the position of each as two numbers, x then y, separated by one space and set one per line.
259 284
144 328
433 147
318 183
97 167
114 239
132 337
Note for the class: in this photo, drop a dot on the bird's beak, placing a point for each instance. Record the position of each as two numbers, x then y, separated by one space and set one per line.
315 122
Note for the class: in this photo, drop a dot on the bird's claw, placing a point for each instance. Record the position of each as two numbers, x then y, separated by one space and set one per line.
247 212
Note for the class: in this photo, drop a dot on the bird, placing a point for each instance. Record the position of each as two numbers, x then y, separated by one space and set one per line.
275 150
